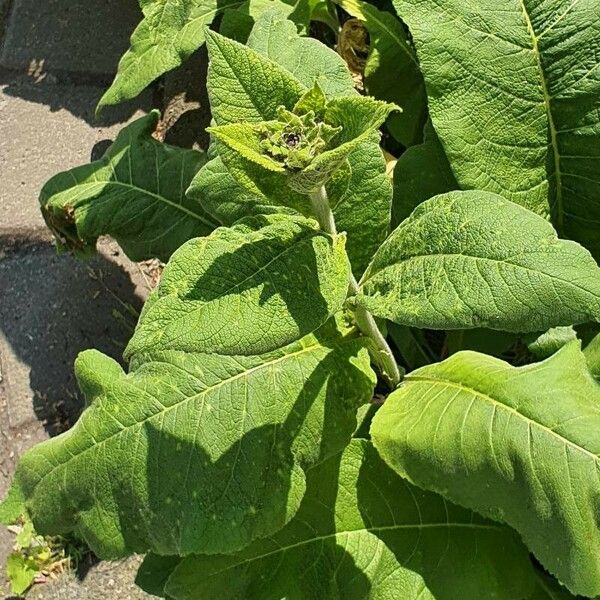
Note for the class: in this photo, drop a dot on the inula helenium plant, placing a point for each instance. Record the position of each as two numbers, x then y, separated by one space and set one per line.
370 368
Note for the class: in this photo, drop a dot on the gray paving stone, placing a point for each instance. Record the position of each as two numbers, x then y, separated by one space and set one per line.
51 308
46 128
68 35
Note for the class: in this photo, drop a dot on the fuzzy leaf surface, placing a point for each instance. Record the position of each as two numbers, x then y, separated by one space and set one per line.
192 451
135 193
169 33
360 193
246 290
516 444
473 259
364 532
514 94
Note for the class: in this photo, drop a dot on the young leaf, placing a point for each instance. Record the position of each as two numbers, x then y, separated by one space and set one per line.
21 571
363 532
514 95
517 444
196 452
307 59
421 172
135 193
303 149
169 33
246 290
244 85
473 259
391 53
360 193
226 200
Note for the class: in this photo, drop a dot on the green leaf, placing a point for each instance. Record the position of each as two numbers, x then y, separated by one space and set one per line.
225 199
363 532
391 71
12 507
195 452
21 571
592 354
169 33
245 86
517 444
547 588
154 572
514 95
135 193
306 59
551 341
473 259
247 290
360 194
421 172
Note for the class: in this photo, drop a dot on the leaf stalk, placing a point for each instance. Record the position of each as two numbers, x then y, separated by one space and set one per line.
381 353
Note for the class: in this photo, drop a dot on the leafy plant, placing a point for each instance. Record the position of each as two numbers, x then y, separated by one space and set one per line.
264 441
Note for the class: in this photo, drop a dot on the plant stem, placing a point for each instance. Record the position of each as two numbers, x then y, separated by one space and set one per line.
382 354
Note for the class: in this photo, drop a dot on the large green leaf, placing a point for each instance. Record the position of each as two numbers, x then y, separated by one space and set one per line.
246 290
169 33
473 259
135 192
517 444
514 94
195 452
363 532
391 70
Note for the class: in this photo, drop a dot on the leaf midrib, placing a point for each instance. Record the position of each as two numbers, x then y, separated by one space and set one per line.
87 186
368 275
312 348
384 528
551 125
498 403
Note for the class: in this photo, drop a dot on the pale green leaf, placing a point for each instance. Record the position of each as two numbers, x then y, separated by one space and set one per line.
195 452
391 72
517 444
246 290
363 532
549 342
169 33
592 354
135 193
514 94
21 571
473 259
224 198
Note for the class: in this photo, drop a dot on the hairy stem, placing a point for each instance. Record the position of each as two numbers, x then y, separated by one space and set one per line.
382 354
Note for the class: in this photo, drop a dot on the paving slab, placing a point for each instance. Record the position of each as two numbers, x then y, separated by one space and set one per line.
46 128
68 35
